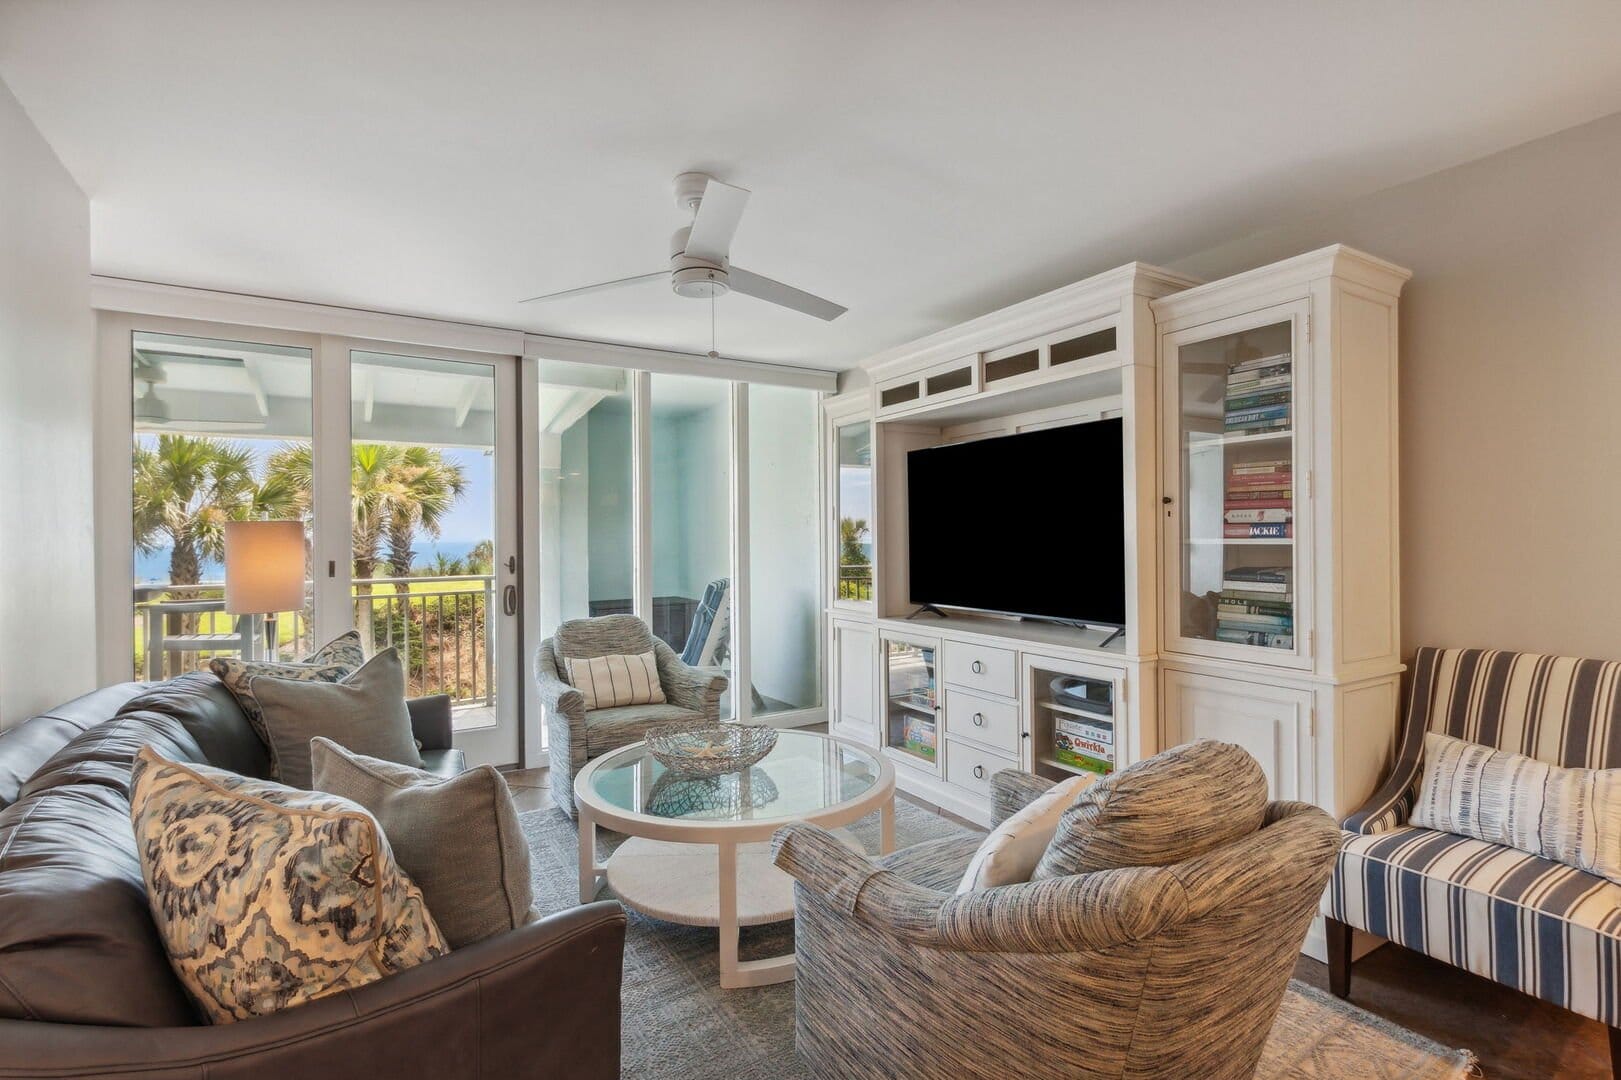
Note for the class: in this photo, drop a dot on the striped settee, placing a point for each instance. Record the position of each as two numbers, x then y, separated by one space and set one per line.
1542 927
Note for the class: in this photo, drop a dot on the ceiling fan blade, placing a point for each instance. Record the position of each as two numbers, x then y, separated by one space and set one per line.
718 214
775 292
600 286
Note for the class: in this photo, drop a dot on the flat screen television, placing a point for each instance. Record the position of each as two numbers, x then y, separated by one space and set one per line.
1030 524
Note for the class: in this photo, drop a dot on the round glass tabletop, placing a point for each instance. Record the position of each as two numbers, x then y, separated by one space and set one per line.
804 774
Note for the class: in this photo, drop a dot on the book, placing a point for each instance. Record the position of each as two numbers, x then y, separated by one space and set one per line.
1263 412
1225 607
1262 361
1259 588
1260 480
1270 530
1102 734
1255 401
1257 500
1276 623
1250 596
1267 383
1258 515
1283 574
1258 427
1250 468
1255 637
918 736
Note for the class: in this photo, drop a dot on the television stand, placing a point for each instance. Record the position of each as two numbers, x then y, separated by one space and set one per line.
930 608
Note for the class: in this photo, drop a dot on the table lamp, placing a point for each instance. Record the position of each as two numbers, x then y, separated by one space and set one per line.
264 567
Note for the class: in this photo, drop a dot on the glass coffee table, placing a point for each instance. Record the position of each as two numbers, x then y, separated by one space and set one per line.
699 851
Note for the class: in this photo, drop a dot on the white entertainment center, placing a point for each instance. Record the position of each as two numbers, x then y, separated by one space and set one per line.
1259 473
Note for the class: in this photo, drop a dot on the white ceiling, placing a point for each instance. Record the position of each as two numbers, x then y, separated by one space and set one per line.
920 163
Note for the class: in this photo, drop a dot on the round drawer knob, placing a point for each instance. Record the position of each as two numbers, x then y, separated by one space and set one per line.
979 719
977 668
979 772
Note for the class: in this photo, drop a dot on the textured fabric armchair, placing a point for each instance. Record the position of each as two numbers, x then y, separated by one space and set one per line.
1129 973
575 735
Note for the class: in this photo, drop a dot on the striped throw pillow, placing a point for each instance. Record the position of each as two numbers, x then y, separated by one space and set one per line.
1572 816
607 682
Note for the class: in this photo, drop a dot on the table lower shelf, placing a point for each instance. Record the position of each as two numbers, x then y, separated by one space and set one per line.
679 883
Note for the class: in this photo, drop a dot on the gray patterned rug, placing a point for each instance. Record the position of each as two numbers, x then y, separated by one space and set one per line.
678 1022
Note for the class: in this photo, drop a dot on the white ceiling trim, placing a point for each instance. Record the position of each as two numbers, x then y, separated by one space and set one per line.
664 361
208 305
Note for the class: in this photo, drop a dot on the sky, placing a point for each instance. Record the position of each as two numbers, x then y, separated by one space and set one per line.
469 521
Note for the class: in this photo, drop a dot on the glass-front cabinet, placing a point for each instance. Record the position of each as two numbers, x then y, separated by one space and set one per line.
1237 524
911 706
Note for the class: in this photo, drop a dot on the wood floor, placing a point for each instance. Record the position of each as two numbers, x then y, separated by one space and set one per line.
1516 1037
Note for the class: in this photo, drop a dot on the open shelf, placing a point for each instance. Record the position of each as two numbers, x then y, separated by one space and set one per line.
1070 710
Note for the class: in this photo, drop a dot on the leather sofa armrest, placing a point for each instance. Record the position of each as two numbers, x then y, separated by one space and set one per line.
430 721
541 1001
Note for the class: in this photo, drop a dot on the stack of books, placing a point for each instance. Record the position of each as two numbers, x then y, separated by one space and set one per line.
1260 497
1256 607
1084 744
1258 395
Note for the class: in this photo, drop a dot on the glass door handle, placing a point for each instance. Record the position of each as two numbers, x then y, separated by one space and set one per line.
509 600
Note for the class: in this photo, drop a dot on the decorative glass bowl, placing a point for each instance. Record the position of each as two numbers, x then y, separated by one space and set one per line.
712 751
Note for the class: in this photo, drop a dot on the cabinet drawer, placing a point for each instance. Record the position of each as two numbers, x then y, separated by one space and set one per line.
976 667
971 768
991 723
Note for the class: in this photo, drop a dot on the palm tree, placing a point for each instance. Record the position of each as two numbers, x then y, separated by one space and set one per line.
185 489
428 487
393 491
481 560
852 558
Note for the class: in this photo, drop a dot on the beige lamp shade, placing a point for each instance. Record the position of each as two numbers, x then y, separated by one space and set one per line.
264 567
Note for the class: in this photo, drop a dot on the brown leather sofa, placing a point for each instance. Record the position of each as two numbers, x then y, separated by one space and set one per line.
85 987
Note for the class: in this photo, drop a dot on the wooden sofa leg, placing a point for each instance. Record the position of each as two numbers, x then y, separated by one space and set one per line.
1615 1052
1339 962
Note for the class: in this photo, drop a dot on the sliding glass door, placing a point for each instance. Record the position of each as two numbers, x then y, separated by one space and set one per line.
433 509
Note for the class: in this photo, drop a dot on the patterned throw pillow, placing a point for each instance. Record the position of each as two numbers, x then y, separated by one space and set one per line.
607 682
1572 816
330 663
1177 805
1011 852
266 897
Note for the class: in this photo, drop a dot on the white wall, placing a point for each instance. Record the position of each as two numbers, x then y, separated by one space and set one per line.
1510 388
47 351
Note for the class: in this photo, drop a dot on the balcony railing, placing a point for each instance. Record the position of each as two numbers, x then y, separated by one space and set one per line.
855 581
440 625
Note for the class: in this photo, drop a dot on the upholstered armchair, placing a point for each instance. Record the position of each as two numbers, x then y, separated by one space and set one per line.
1127 973
575 735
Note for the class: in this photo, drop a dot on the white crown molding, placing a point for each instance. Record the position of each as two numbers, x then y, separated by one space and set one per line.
242 309
1051 311
1336 260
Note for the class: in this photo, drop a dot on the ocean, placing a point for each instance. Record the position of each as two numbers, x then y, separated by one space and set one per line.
153 568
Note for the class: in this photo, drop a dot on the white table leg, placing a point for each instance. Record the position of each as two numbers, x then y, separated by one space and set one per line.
886 826
590 872
736 974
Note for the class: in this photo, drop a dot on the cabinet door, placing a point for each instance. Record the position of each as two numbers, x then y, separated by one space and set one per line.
855 663
1273 723
1237 407
909 723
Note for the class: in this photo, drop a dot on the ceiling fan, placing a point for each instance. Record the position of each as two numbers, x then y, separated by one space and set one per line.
699 264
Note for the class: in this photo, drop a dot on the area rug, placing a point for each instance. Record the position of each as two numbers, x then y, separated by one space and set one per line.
678 1022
